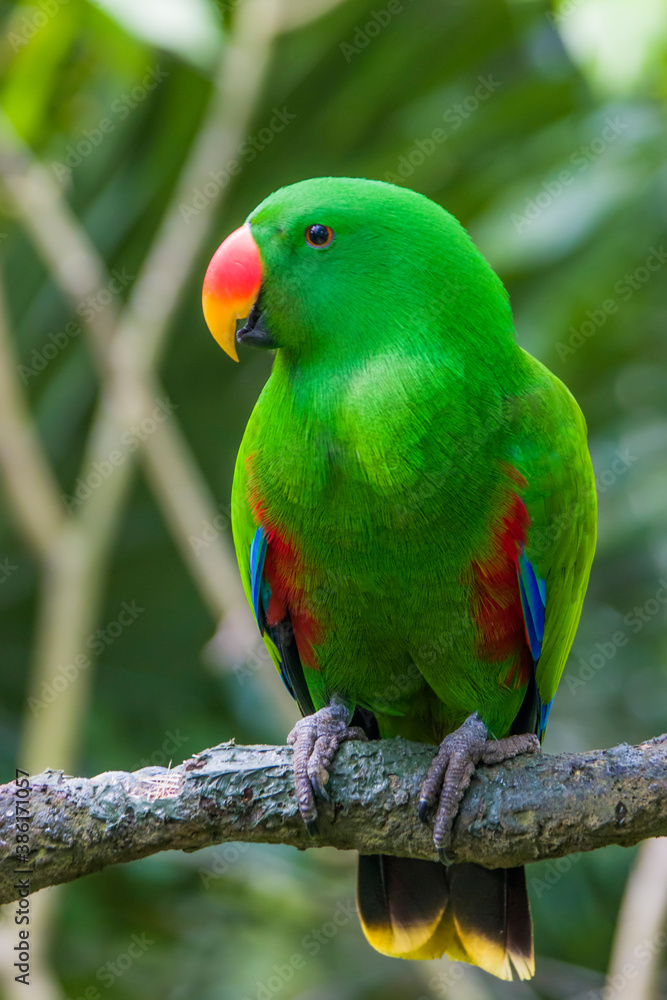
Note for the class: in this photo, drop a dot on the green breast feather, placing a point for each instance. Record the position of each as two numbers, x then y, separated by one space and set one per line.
414 517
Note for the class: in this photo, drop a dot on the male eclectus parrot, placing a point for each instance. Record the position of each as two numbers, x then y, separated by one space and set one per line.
414 517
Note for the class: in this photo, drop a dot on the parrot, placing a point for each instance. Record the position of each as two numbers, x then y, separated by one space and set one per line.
414 517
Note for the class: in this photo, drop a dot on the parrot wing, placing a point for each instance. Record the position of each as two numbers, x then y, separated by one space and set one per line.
560 501
251 549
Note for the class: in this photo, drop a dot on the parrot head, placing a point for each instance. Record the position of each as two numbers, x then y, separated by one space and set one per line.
337 266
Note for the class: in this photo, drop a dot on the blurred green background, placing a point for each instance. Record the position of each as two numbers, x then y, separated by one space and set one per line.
542 129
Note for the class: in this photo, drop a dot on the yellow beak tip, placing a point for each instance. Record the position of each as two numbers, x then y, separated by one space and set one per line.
231 285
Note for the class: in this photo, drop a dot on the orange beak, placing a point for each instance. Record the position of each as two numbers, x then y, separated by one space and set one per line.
231 285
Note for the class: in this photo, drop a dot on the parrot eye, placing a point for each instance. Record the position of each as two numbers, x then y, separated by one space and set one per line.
319 236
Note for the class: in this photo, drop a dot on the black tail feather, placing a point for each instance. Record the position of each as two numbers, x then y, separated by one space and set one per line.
420 909
492 918
401 901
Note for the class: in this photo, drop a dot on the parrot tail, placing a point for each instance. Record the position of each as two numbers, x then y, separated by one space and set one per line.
421 909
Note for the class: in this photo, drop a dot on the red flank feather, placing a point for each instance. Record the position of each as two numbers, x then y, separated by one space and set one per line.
284 573
497 602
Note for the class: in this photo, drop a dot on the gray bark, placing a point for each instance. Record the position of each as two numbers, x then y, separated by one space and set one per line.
532 808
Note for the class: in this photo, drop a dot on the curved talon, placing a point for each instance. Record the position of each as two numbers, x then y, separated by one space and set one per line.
445 859
312 827
424 810
316 739
452 769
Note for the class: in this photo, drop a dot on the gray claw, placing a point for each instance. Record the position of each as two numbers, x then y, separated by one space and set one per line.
445 858
452 769
316 739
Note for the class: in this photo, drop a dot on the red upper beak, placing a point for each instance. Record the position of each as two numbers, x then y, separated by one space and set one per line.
231 285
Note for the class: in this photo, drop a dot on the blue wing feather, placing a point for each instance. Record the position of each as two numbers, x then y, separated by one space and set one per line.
257 557
533 601
533 590
282 634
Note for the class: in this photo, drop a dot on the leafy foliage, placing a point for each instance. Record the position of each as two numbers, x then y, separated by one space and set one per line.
493 108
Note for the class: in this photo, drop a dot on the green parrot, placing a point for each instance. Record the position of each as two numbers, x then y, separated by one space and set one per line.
414 517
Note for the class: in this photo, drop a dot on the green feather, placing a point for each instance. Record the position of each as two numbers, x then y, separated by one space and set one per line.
381 443
399 434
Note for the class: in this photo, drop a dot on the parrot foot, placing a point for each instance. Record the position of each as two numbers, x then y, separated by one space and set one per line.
454 766
316 739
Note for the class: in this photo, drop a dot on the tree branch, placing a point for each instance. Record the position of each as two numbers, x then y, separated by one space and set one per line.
31 487
130 389
530 809
641 918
